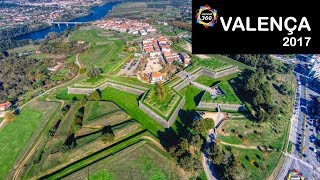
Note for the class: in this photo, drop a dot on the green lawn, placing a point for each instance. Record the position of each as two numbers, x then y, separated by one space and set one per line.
65 96
193 96
252 161
208 81
96 109
141 160
16 135
211 63
1 119
128 102
130 81
95 79
228 96
231 61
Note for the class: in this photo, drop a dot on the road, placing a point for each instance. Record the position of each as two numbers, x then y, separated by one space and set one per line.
303 158
208 167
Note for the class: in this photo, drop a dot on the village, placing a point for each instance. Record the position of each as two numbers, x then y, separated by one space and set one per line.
156 59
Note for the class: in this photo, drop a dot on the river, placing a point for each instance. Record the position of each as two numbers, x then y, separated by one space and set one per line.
98 12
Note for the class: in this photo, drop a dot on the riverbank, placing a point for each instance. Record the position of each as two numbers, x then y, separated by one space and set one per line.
95 13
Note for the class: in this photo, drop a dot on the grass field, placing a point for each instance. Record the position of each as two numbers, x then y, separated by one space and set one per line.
86 144
255 164
23 49
212 63
92 158
103 51
16 135
246 132
130 81
228 96
228 60
208 81
193 96
96 109
141 161
128 102
63 94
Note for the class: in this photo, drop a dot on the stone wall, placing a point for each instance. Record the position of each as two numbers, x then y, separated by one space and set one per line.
209 105
162 121
72 90
80 90
181 85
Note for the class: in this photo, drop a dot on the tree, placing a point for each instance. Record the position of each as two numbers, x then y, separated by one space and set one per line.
93 72
160 90
52 35
107 134
215 153
196 141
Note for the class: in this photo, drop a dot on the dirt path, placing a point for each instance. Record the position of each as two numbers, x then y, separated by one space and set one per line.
239 146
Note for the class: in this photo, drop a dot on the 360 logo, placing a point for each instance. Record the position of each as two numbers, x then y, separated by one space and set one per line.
207 16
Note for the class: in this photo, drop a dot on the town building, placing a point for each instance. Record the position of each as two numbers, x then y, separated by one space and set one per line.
156 77
4 106
185 58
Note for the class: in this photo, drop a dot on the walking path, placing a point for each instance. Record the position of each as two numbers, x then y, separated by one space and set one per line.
207 165
239 146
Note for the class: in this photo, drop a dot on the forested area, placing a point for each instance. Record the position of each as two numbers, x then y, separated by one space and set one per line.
257 86
19 75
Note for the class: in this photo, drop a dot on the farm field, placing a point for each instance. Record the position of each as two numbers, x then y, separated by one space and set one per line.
228 95
19 133
141 160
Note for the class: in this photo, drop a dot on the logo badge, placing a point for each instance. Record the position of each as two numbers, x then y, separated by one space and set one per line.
206 16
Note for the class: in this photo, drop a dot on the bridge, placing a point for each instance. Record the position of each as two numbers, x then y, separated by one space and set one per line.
66 23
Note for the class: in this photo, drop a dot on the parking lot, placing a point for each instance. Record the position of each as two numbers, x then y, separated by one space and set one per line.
128 68
153 65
